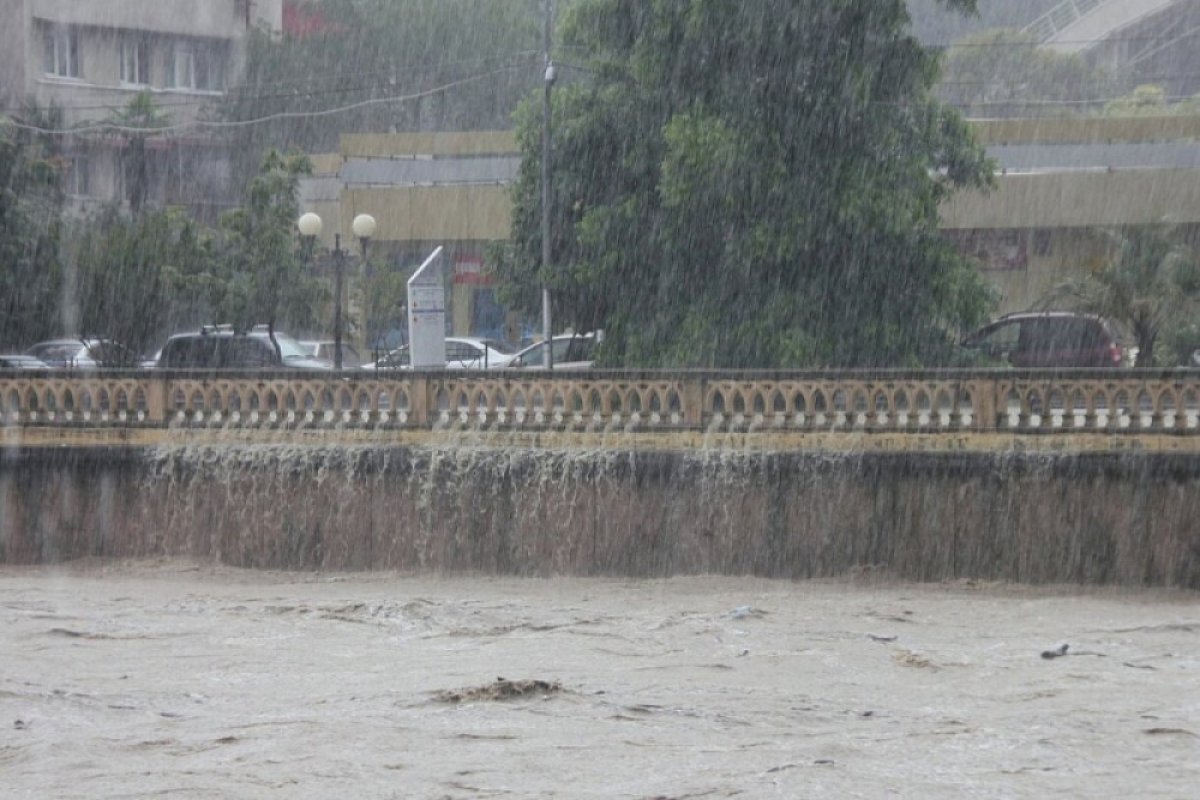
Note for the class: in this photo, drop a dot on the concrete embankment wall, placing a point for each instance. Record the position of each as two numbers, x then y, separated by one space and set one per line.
1100 518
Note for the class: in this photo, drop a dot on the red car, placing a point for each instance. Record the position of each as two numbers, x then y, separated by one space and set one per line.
1060 339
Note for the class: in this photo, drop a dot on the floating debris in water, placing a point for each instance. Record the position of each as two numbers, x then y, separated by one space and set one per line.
1057 652
1168 732
908 658
500 689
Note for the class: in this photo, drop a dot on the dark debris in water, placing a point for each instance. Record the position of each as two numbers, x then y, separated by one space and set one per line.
1057 652
1061 651
499 690
1169 732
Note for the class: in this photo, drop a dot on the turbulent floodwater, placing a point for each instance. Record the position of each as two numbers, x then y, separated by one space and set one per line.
196 681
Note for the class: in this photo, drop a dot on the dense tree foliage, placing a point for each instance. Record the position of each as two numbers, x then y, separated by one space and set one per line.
138 276
749 184
140 113
31 201
1148 100
1002 72
1150 283
270 280
383 295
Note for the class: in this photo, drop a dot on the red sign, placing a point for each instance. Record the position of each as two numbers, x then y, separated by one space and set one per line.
470 271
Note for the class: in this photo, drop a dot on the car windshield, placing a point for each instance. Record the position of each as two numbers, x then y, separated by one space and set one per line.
56 351
498 346
290 348
396 358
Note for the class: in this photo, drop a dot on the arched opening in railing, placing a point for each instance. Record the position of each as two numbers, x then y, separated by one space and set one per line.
614 402
674 402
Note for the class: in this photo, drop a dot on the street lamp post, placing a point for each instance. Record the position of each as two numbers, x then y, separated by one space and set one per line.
547 196
363 227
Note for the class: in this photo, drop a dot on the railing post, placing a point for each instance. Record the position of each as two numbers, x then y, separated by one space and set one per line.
984 395
693 401
419 397
156 400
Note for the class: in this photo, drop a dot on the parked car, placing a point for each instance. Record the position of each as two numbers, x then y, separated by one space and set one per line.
571 351
20 361
220 347
322 350
1060 339
83 353
462 352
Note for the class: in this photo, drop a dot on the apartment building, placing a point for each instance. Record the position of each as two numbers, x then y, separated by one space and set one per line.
89 58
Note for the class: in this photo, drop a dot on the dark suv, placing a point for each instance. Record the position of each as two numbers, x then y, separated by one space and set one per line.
221 348
1048 339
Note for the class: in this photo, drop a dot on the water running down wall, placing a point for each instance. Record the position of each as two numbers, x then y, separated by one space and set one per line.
1087 518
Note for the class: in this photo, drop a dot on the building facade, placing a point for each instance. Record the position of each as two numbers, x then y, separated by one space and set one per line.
1062 186
425 190
88 60
1143 41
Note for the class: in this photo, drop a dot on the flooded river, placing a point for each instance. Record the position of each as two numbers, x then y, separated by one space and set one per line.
173 679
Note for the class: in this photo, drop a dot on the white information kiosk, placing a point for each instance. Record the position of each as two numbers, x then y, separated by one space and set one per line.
427 314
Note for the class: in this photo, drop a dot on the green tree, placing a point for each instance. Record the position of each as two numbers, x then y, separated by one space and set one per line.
140 114
269 280
141 277
383 297
1004 72
31 202
749 184
1143 101
1150 283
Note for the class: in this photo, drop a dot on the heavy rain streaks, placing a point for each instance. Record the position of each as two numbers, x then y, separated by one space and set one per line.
599 398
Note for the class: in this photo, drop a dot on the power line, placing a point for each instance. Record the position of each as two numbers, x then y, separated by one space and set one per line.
1179 76
1092 101
961 45
230 94
99 126
393 70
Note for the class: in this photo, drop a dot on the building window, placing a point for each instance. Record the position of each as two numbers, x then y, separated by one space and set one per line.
76 181
61 51
995 249
135 61
196 65
1043 243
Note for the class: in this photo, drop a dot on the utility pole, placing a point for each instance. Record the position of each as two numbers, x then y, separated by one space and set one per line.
339 266
547 328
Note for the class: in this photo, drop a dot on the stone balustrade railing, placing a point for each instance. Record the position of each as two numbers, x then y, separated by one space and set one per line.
1101 401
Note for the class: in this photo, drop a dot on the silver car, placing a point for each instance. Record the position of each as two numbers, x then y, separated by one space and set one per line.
322 350
462 352
19 361
571 351
78 353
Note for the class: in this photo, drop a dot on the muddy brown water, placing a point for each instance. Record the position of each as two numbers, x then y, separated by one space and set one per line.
191 680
